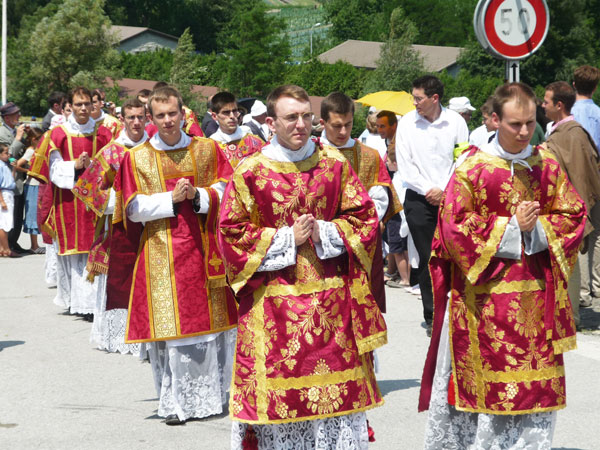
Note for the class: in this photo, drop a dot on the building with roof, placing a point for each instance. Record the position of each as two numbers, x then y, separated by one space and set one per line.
142 39
364 54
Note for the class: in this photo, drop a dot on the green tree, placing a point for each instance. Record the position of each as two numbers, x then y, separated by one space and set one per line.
155 65
204 18
257 50
72 46
360 19
183 71
321 78
398 64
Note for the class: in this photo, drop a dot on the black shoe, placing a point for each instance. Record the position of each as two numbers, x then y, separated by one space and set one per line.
172 419
88 317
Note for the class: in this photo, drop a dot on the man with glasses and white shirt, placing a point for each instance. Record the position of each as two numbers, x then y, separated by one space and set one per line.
425 141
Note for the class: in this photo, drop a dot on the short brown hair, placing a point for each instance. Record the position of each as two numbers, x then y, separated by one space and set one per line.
562 92
97 93
586 79
391 117
132 103
81 91
519 92
162 95
159 84
287 90
338 103
221 99
488 107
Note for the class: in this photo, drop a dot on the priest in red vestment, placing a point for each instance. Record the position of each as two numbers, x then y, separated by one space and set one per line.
235 142
94 188
67 153
509 229
298 235
179 301
337 118
108 121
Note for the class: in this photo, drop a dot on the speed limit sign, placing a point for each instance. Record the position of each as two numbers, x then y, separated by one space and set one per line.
511 29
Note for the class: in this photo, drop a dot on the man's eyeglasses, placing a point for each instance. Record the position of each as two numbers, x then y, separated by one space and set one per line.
293 118
419 99
229 112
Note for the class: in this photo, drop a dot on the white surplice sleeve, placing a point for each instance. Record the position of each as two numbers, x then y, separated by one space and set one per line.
535 241
144 208
62 173
331 244
110 207
381 199
281 253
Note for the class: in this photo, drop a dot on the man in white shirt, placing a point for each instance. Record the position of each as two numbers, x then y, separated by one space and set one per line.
483 134
425 141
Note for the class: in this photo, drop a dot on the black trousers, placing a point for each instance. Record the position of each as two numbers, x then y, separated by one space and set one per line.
13 235
421 217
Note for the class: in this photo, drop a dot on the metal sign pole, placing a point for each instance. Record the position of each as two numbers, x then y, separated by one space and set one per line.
512 71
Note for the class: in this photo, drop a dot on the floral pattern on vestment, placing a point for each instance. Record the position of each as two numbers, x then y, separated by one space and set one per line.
236 151
510 320
306 331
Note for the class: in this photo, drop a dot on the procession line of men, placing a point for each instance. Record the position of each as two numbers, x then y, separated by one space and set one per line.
258 267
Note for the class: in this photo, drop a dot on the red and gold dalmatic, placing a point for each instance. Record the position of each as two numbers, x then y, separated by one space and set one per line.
113 124
179 288
305 332
237 150
114 244
509 320
371 171
71 221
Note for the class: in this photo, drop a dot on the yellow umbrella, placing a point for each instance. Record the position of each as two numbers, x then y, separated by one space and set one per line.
398 102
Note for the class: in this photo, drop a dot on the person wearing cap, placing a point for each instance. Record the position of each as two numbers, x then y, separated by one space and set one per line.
461 105
235 142
13 135
257 125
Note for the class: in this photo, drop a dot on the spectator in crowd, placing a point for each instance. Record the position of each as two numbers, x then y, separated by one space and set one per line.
585 111
13 134
485 133
7 187
425 141
461 105
56 102
30 225
577 155
370 137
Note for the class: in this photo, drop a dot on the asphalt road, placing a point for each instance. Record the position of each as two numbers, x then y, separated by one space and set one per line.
58 392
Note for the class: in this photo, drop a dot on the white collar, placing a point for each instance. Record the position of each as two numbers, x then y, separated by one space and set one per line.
495 149
441 118
159 144
349 143
222 137
101 118
74 127
274 150
125 141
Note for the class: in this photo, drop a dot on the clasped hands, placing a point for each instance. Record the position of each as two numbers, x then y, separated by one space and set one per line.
183 190
83 161
306 226
527 215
